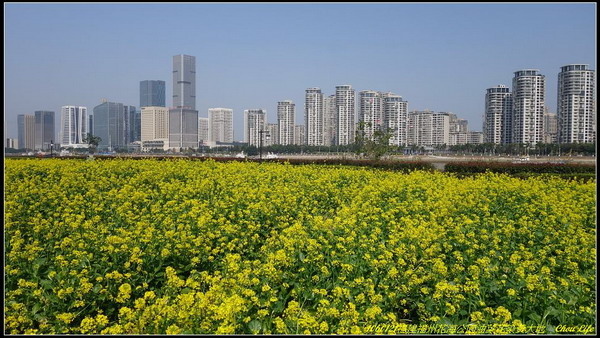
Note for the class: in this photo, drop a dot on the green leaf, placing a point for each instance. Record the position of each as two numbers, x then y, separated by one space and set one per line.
278 307
553 312
445 321
535 317
254 326
46 284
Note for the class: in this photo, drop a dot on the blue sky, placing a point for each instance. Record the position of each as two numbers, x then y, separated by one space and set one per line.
440 57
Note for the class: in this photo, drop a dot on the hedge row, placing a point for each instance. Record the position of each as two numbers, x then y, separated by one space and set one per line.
390 165
514 168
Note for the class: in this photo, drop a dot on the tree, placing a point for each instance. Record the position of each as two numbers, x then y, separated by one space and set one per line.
359 145
92 141
380 144
375 147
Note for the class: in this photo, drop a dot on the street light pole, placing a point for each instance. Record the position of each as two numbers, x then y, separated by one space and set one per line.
260 142
51 147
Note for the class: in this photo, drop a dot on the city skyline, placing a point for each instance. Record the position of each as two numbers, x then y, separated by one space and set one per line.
446 63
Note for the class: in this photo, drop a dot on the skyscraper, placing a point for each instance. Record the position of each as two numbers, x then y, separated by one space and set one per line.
497 125
152 93
396 118
132 124
344 104
91 123
184 81
576 108
183 117
26 131
255 121
220 125
286 116
313 117
528 107
74 124
44 129
183 129
112 124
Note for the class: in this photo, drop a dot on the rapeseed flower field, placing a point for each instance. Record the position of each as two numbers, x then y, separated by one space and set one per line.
146 246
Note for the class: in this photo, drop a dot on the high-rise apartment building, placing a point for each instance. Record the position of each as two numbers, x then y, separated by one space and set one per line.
220 125
203 130
183 129
152 93
550 127
440 133
272 135
314 117
184 82
528 107
44 129
329 120
255 122
370 112
475 137
458 139
458 130
299 134
26 131
497 125
420 128
428 129
395 114
576 108
459 125
345 110
112 123
383 111
154 123
74 124
286 117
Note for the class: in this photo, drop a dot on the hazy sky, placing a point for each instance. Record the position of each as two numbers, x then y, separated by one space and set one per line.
440 57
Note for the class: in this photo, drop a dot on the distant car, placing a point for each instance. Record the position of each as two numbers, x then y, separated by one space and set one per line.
271 156
240 155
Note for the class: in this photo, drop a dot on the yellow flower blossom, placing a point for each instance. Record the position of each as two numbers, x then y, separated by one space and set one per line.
202 247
